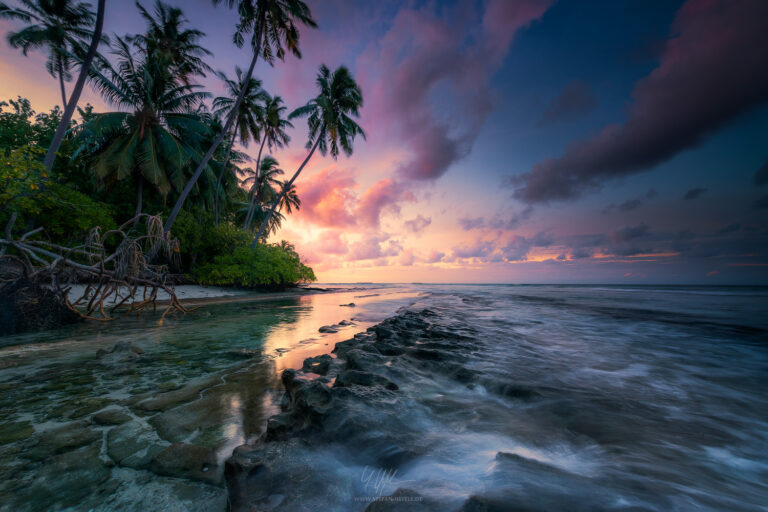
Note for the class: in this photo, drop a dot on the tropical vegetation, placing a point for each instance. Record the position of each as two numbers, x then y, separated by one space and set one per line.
165 145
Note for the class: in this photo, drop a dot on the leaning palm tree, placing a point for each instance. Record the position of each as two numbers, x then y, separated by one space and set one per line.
61 26
250 113
272 25
173 48
274 125
330 125
153 142
261 183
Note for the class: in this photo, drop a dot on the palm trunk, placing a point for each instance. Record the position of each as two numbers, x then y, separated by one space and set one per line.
219 139
139 201
61 86
221 175
286 188
255 188
69 110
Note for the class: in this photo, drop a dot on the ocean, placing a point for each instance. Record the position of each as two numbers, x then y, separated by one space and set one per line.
508 397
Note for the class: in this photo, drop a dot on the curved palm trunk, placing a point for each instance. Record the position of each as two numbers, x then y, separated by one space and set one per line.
216 143
255 189
61 86
286 188
221 175
69 110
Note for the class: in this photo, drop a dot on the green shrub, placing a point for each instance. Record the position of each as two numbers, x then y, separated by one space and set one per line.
267 266
40 199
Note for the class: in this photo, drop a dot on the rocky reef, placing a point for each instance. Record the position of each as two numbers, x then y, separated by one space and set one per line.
351 401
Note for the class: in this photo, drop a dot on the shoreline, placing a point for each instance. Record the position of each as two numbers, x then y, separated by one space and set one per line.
353 399
200 295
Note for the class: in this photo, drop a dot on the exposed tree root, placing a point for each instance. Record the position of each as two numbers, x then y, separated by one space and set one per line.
114 264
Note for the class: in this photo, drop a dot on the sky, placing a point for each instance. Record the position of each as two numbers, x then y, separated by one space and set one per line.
526 141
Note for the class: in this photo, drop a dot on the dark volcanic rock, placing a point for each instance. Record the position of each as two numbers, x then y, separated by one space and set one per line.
319 365
328 329
356 377
363 413
26 306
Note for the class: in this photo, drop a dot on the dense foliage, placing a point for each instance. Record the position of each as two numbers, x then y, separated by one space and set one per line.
266 266
164 140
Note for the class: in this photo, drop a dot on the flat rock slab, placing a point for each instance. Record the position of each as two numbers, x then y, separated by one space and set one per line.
62 439
133 444
163 401
187 461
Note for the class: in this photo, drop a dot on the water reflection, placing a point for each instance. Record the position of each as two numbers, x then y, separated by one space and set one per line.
208 379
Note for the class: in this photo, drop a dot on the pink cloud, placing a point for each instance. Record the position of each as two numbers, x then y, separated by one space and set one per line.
424 51
383 196
406 258
326 197
418 224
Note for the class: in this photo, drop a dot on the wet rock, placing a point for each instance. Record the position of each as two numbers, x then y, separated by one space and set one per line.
356 377
363 360
26 306
187 461
511 390
346 323
319 365
191 391
61 439
328 329
133 444
180 423
64 481
350 305
15 431
78 408
111 417
244 353
122 353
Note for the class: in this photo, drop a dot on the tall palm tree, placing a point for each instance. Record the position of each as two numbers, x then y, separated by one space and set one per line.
250 113
85 68
330 125
274 126
156 140
272 25
61 26
173 48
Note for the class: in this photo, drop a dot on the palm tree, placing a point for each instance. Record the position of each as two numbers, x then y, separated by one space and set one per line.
61 26
85 68
157 139
272 24
274 125
330 125
249 117
173 48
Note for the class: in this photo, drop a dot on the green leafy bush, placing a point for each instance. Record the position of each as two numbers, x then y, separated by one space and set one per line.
267 266
27 189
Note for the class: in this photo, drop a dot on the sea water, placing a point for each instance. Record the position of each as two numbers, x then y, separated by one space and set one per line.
628 397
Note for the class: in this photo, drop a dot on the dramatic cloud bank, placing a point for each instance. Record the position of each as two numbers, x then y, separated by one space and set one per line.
455 52
712 69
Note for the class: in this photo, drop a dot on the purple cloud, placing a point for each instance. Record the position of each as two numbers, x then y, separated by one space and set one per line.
576 99
712 69
456 54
